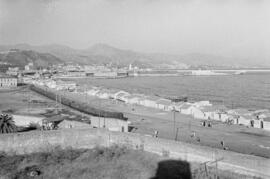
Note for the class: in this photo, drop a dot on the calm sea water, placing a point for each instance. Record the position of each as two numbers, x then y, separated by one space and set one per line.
251 91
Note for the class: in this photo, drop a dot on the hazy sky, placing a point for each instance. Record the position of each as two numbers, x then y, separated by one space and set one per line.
239 28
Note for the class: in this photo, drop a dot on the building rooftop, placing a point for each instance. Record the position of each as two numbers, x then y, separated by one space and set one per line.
216 108
240 111
164 101
152 98
6 76
186 106
267 119
56 118
248 117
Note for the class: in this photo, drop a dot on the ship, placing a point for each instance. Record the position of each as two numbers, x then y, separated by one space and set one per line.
240 72
205 72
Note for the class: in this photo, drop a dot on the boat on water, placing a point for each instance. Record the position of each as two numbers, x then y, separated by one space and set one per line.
174 98
242 72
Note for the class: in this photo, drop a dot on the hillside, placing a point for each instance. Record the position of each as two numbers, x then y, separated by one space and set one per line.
106 54
21 58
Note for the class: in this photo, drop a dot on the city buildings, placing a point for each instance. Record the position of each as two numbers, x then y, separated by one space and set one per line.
8 81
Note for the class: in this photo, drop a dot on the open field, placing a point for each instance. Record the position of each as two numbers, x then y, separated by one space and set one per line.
23 101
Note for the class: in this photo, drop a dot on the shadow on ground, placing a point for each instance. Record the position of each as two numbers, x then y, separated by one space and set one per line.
173 169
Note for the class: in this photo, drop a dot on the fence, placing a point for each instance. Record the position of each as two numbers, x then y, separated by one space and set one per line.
78 105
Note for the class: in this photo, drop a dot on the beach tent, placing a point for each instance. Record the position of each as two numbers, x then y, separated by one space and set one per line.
164 104
202 104
150 101
266 123
67 124
103 94
116 95
93 91
245 120
217 112
186 108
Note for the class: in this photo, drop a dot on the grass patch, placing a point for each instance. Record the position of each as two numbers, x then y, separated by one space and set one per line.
114 162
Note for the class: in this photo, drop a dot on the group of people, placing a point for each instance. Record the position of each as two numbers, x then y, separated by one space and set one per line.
207 124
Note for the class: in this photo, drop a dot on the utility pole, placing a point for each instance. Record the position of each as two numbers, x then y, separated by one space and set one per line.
174 121
56 102
176 136
99 113
59 102
28 101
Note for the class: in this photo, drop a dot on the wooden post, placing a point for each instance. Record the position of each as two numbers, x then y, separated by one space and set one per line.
205 168
176 134
174 122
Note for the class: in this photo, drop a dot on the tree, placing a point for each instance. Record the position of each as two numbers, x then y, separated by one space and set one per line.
7 124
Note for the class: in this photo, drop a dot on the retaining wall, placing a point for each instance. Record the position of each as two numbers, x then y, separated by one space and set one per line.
37 141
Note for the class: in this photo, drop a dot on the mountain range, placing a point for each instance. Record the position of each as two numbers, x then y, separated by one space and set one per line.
20 58
106 54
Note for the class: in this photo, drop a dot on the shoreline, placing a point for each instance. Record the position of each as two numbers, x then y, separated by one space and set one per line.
234 100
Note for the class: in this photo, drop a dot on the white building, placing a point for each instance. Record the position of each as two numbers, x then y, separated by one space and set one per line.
25 121
119 93
197 113
202 104
178 105
245 120
103 94
65 85
68 124
264 119
186 108
149 102
93 91
164 104
8 81
216 112
112 124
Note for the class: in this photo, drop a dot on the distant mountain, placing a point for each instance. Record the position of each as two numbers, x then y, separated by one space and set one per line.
101 54
20 58
106 54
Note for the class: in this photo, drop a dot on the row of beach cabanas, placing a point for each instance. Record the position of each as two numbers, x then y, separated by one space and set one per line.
203 110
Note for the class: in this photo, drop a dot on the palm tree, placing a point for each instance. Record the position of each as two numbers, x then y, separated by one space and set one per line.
7 124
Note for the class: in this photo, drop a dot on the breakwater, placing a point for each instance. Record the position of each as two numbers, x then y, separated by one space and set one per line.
82 107
44 141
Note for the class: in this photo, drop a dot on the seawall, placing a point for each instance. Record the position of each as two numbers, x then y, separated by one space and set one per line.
38 141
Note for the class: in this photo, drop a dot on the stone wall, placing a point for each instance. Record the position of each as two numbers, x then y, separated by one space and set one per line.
38 141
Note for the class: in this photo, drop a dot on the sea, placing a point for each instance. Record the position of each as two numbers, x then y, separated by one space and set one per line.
250 91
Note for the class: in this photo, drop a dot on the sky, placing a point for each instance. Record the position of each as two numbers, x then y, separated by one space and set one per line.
232 28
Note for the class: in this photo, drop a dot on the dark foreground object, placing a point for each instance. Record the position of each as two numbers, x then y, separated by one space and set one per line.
173 169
